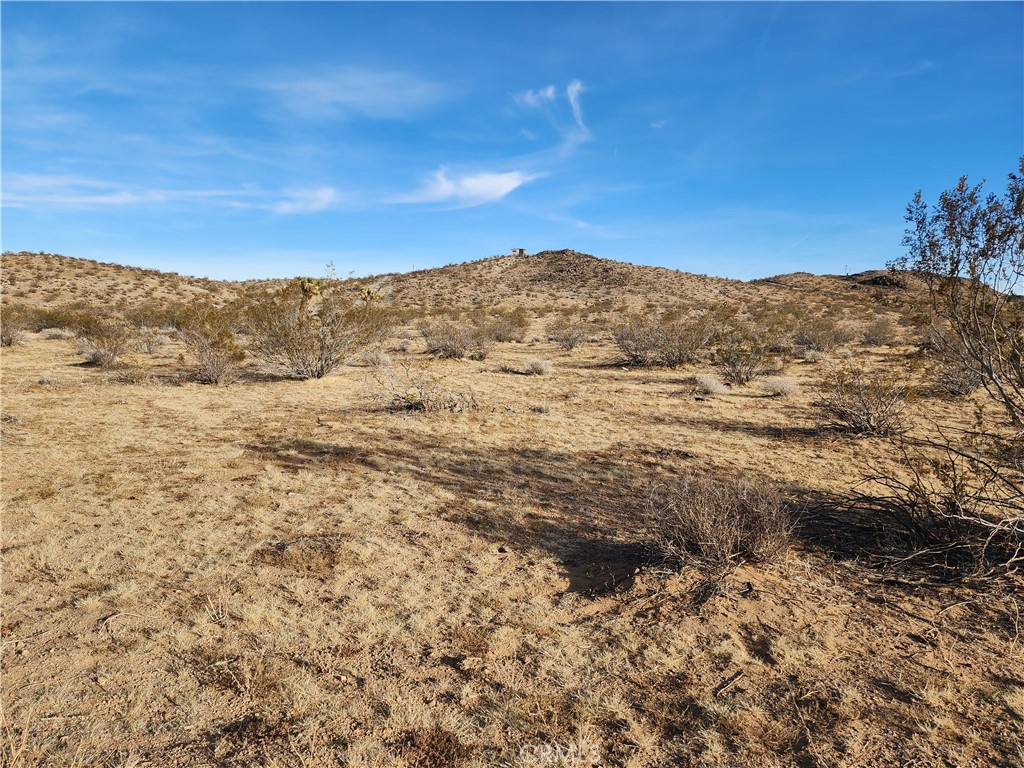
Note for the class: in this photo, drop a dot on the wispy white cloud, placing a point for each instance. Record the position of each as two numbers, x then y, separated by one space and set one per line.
573 91
346 92
61 190
536 98
307 201
468 190
660 123
69 191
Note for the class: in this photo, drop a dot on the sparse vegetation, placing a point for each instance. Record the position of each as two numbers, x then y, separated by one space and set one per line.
456 340
780 386
821 334
566 333
310 327
718 522
865 404
426 562
103 342
670 341
744 353
535 367
208 334
414 388
710 385
13 325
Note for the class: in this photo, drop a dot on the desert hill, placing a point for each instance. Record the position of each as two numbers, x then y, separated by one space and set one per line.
562 279
424 560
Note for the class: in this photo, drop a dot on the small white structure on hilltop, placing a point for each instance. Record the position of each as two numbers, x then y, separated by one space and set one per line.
518 251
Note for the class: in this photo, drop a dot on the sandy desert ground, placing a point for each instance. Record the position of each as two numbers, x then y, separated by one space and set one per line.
290 573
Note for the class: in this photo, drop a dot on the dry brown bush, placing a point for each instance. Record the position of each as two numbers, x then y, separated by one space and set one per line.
456 339
13 324
719 521
710 385
566 333
821 334
414 388
865 404
534 367
780 386
509 326
669 340
880 333
102 341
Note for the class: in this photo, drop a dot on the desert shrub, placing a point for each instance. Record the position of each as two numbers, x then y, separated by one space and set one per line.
958 501
566 333
743 353
535 367
968 250
953 378
153 314
822 334
863 404
719 521
309 327
71 316
456 339
414 388
13 325
710 385
880 333
639 340
780 386
509 326
208 334
670 340
150 340
102 342
812 356
683 340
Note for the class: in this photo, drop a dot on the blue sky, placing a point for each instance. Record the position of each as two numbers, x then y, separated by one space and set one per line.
238 140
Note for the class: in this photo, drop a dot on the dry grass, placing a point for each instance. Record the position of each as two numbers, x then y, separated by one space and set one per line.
284 573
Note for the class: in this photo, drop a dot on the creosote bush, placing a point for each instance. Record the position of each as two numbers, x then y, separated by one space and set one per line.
880 333
13 325
566 333
455 339
309 327
865 404
508 326
744 353
821 334
670 340
717 521
103 341
208 334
